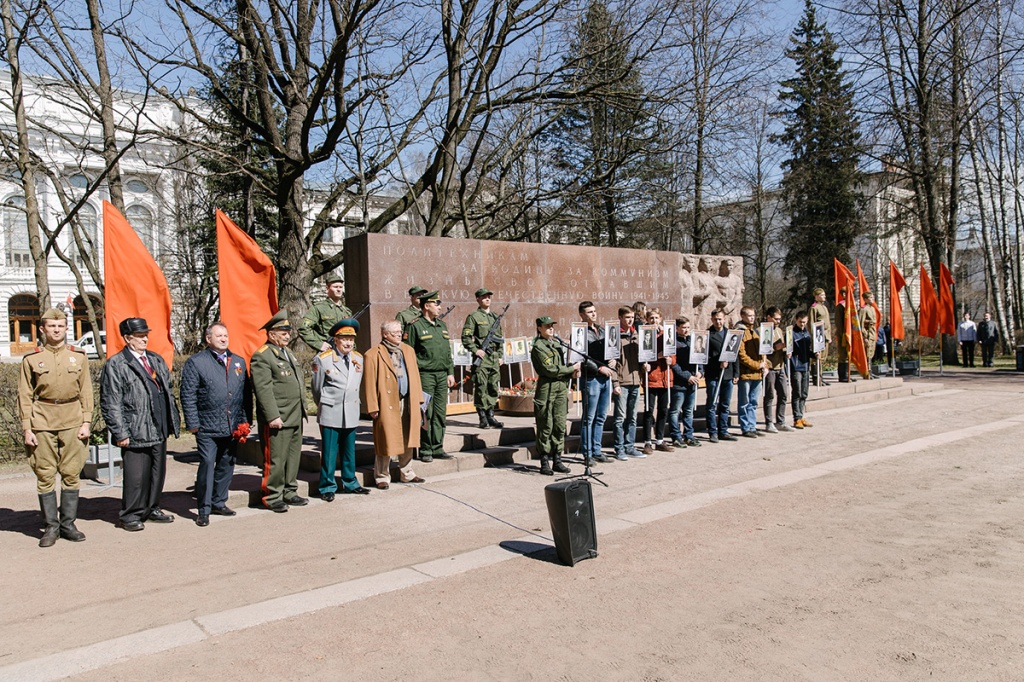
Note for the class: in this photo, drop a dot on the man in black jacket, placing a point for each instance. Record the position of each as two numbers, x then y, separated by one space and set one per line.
988 335
719 378
139 408
215 399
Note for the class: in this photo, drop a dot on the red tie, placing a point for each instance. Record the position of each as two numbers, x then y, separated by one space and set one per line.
149 368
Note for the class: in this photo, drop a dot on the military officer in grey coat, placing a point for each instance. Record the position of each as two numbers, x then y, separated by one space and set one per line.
280 390
337 376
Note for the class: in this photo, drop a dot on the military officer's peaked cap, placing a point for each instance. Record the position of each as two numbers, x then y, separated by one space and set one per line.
547 319
279 322
346 327
334 277
416 291
54 314
483 292
431 297
133 325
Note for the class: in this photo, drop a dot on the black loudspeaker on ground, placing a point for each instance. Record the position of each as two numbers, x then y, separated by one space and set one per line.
571 511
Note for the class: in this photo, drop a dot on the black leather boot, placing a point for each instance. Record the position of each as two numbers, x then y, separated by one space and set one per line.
491 421
560 466
68 514
843 369
48 504
484 423
545 467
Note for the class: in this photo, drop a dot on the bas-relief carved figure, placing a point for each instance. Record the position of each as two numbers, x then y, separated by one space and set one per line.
729 284
708 283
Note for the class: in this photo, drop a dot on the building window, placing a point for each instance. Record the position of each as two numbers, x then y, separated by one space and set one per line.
79 181
87 230
15 230
137 186
23 314
141 220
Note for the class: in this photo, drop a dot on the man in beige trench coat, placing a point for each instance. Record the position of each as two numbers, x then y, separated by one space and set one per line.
392 395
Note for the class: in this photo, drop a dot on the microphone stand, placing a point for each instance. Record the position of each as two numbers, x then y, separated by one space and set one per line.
588 472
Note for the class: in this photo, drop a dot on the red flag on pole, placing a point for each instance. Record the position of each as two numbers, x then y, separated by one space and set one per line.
896 284
947 315
134 286
928 323
854 337
248 287
841 277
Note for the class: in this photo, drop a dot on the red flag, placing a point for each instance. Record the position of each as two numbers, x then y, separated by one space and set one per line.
947 315
896 284
854 337
841 277
862 282
248 287
134 286
928 324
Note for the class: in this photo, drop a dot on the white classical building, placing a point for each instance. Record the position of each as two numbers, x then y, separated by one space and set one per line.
67 142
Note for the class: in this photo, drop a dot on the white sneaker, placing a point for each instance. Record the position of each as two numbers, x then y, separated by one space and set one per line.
771 428
786 427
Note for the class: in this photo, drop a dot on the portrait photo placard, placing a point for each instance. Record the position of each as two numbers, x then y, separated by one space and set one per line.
767 333
789 340
577 342
461 356
731 345
519 350
612 349
668 334
648 343
699 342
818 337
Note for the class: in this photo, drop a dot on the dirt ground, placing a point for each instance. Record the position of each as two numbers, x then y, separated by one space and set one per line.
903 565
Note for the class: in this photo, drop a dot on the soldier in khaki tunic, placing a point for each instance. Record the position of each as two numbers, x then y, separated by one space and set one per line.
485 374
819 313
280 389
55 401
428 336
407 315
551 398
868 322
317 323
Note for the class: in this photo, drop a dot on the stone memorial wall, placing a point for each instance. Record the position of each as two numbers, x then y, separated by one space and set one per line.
537 279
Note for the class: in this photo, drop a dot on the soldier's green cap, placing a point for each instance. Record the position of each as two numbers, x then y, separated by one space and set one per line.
54 314
346 327
547 319
416 291
333 277
278 322
818 291
483 292
432 297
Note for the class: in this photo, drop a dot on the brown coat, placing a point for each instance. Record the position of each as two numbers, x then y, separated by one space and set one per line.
391 436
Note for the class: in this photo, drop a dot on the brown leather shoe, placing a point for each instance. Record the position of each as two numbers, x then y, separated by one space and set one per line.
416 479
665 447
383 485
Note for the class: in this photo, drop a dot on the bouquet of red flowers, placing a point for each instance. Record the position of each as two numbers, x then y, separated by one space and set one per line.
241 432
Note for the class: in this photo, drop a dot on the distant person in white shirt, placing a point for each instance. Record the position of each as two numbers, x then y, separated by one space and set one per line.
966 335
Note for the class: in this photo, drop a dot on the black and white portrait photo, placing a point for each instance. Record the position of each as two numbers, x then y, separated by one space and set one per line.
648 351
731 348
767 341
612 349
699 347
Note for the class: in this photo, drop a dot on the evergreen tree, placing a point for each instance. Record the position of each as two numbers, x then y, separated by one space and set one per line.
603 140
821 174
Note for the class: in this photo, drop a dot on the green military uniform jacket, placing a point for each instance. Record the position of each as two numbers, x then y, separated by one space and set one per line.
869 327
432 344
316 324
279 385
478 323
552 373
55 390
407 315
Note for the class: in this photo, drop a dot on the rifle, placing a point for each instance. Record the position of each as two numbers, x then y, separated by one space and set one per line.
445 313
491 338
561 342
361 311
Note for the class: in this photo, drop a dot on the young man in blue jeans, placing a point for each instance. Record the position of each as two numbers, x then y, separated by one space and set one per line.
626 389
685 380
752 371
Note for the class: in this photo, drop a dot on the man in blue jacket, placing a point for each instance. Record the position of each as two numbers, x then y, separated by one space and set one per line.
216 400
686 378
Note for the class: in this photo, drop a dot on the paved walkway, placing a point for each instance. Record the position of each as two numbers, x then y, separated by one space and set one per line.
456 578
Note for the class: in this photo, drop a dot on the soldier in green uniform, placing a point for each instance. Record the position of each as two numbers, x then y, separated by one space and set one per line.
485 375
55 401
317 323
819 313
407 315
551 398
280 390
428 336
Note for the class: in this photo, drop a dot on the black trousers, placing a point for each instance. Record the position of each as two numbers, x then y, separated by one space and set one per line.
987 351
143 482
968 347
216 467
